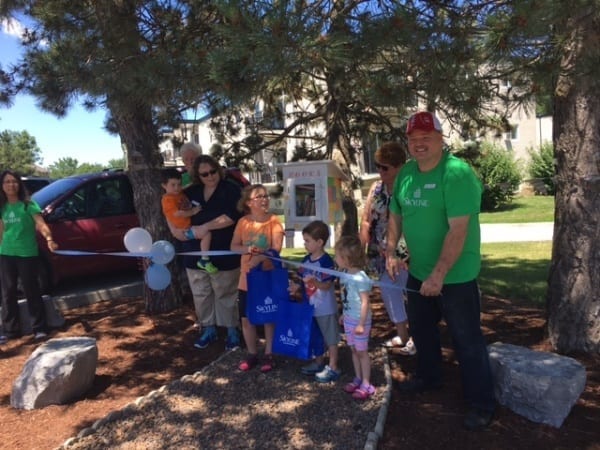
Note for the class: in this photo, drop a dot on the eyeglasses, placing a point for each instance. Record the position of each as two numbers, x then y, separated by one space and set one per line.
261 197
382 167
210 172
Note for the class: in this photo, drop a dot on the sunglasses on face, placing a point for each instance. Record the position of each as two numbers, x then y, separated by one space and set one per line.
382 167
210 172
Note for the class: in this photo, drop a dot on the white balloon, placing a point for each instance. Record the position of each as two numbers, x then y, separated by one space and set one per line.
162 252
137 240
157 277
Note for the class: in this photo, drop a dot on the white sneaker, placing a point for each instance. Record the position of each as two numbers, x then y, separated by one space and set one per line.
394 342
40 335
409 349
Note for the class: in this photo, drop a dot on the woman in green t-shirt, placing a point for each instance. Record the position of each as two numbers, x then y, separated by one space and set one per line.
19 219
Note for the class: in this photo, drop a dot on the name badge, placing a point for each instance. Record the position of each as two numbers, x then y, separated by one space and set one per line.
429 186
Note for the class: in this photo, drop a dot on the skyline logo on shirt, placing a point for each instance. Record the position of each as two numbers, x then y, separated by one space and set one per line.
11 218
416 200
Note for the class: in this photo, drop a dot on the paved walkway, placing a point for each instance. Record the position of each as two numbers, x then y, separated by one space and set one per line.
495 232
517 232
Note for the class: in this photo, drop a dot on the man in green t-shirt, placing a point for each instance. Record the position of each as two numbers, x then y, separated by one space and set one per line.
435 204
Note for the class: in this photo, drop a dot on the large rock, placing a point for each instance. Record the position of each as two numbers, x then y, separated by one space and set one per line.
57 372
540 386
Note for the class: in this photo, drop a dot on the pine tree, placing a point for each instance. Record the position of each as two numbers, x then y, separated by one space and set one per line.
141 60
364 64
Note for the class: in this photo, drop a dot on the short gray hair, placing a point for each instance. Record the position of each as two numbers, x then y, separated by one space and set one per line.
190 146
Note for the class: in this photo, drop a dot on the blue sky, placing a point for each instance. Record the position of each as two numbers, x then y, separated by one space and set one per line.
79 135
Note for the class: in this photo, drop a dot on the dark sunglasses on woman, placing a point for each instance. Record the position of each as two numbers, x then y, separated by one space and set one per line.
382 167
210 172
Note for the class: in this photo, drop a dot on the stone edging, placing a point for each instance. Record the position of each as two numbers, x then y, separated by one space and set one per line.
374 436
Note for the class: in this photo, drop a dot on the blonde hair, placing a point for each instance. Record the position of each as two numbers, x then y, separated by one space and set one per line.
351 249
242 205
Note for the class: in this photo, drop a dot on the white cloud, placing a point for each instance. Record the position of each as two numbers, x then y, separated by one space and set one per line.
12 27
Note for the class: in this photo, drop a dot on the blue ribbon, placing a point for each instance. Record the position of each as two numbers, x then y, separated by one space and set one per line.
335 273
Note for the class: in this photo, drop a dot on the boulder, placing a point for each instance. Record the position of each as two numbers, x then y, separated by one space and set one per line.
57 372
541 386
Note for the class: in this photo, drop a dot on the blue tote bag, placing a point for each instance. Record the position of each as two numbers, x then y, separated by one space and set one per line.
296 332
267 289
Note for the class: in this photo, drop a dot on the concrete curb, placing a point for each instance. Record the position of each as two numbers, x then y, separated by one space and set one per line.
88 297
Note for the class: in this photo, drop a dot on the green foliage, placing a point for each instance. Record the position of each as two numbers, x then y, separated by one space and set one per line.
116 163
64 167
19 152
68 166
89 168
541 165
497 170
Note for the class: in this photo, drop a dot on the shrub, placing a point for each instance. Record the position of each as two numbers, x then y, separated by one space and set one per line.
497 170
541 166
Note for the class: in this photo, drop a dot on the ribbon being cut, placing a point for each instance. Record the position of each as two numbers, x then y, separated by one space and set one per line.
296 332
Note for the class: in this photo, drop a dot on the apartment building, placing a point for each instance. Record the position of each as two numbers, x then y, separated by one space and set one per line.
527 131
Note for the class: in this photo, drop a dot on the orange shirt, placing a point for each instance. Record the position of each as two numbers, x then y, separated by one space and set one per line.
171 204
256 234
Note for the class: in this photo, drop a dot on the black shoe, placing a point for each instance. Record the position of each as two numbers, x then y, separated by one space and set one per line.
478 419
418 386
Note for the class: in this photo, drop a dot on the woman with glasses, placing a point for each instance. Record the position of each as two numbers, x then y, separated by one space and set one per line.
257 231
20 218
389 159
215 294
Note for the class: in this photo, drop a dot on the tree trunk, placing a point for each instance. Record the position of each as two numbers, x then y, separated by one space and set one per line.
144 161
573 300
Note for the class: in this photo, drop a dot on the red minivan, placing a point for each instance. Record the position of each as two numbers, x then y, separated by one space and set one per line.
90 212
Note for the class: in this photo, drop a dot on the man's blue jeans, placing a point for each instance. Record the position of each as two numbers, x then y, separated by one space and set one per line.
459 305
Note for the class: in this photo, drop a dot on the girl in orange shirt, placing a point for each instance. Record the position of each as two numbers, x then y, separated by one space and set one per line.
257 231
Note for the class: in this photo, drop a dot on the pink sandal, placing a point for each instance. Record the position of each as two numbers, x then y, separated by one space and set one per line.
267 363
363 392
248 363
353 385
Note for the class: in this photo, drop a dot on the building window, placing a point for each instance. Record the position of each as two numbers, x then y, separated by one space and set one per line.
513 134
371 143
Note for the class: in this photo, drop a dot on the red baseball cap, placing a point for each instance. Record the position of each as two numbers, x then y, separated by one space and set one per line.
424 121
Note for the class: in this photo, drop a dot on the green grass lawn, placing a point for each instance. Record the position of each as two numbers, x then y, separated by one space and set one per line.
512 270
523 210
516 270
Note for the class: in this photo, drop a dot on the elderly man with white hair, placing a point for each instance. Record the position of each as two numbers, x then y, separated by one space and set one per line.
188 153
